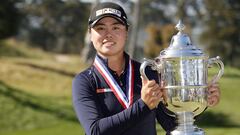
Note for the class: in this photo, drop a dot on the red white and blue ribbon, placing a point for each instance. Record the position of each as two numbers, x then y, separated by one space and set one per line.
103 90
125 100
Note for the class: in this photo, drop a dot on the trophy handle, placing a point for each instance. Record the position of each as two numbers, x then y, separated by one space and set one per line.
220 64
146 63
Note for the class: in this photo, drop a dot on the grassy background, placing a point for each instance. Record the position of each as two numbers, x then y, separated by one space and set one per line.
35 95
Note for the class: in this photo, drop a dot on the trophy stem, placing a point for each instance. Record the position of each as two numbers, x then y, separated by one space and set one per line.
186 125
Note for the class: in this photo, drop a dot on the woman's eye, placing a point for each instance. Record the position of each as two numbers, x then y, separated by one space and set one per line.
100 28
116 28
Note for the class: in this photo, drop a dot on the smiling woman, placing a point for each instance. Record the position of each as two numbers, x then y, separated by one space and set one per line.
110 97
108 37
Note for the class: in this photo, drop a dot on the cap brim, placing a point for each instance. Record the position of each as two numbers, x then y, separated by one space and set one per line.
109 15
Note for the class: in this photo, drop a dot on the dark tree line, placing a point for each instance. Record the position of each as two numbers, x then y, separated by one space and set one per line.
55 25
9 18
222 33
61 25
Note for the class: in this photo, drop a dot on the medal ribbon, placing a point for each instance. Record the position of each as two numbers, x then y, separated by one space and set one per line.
125 101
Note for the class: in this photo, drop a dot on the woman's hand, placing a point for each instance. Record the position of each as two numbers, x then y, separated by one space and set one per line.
213 94
151 93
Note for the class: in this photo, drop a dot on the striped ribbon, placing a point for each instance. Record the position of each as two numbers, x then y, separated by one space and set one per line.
125 100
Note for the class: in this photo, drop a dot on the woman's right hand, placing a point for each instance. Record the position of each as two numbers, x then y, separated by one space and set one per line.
151 93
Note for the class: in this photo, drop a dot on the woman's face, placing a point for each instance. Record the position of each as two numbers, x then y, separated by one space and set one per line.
108 37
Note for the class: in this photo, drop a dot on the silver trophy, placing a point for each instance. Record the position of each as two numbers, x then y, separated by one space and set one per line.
184 69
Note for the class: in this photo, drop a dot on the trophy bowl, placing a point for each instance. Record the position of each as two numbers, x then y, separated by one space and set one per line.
184 69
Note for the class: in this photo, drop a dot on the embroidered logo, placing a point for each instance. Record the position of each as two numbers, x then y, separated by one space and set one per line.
108 11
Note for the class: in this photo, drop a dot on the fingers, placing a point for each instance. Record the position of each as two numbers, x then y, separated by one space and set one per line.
147 82
151 93
214 87
144 80
213 90
213 101
154 99
213 95
156 92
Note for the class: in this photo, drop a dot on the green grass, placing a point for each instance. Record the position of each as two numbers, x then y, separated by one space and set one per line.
64 128
15 48
35 91
35 95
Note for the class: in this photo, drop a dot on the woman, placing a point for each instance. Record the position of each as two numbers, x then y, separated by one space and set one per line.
109 97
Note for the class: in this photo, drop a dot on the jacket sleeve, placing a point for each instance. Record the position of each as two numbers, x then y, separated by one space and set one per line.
89 113
167 122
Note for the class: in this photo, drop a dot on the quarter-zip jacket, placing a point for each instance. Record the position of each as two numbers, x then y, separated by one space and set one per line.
100 112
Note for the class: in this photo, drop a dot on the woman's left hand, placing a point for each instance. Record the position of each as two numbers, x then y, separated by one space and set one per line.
213 94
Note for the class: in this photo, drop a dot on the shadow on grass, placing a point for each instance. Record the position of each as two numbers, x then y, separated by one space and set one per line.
36 103
48 69
210 119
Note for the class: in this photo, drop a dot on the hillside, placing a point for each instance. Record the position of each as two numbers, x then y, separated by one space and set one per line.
35 87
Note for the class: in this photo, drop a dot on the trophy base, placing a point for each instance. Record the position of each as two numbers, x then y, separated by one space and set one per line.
185 125
196 131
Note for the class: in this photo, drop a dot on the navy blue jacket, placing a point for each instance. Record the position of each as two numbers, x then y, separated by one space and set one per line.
100 113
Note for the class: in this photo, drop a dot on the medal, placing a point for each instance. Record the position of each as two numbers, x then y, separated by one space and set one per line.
125 100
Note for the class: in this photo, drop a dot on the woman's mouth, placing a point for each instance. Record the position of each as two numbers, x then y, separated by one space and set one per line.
108 43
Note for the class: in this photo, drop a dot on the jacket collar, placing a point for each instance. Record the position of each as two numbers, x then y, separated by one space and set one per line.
105 60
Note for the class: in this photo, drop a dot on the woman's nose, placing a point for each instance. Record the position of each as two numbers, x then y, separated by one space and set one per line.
108 33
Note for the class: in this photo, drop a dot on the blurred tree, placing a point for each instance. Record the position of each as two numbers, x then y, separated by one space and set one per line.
221 34
134 29
9 18
159 37
170 11
88 52
153 19
153 11
55 25
155 43
161 14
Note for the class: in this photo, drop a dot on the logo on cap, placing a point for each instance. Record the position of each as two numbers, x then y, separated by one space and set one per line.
108 11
